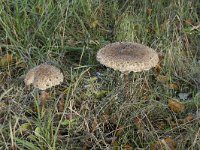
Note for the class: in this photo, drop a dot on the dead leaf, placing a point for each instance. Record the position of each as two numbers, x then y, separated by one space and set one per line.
176 106
146 98
167 143
162 78
128 147
173 86
157 69
188 118
6 59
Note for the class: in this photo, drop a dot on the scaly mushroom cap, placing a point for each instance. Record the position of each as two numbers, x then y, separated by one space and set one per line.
44 76
29 78
127 57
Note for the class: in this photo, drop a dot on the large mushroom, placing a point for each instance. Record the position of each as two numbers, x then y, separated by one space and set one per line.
43 77
127 57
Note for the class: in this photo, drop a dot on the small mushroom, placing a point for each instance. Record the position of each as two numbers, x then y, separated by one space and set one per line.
43 77
127 57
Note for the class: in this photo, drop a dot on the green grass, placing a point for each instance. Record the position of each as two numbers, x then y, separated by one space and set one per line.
68 34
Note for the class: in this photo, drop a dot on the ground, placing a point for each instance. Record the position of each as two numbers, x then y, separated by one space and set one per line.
89 110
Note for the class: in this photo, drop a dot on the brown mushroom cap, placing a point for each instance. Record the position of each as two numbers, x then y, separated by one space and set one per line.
44 76
127 57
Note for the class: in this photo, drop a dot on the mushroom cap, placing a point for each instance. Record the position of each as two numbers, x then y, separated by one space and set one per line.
29 78
44 76
127 57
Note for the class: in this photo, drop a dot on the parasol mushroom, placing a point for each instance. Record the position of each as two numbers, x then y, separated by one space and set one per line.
43 77
127 57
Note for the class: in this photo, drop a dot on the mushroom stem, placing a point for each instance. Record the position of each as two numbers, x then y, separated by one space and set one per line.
43 98
126 85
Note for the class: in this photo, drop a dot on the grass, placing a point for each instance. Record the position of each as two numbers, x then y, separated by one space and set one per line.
88 110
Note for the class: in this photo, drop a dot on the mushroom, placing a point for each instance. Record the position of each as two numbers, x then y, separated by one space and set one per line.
43 77
127 57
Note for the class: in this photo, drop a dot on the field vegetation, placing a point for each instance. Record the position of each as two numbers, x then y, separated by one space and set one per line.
88 110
